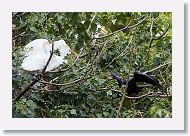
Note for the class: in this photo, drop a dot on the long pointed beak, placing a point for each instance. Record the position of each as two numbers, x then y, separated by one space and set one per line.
73 53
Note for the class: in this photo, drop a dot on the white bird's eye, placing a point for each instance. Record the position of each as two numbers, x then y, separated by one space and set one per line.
57 52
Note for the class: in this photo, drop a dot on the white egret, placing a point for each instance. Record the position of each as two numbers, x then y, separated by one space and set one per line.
37 53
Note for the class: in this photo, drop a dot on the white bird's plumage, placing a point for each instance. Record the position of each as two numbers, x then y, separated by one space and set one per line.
35 47
37 53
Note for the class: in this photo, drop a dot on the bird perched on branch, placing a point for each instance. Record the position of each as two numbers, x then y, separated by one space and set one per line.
132 87
37 52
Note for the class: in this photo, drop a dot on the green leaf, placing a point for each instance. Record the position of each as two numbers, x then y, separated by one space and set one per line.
106 113
73 111
109 92
99 115
114 21
33 29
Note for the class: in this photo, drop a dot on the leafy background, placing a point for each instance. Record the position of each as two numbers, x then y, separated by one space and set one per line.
95 95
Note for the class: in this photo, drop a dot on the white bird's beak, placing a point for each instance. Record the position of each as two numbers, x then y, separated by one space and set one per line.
73 53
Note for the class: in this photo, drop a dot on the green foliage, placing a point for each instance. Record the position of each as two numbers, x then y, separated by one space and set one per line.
96 96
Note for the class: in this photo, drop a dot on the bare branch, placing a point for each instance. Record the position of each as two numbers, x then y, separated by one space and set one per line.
91 21
47 63
138 22
124 90
68 68
26 89
147 94
18 35
117 31
117 57
122 29
151 34
67 84
157 67
162 34
152 38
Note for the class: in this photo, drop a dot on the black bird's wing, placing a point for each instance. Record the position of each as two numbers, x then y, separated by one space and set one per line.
142 77
132 87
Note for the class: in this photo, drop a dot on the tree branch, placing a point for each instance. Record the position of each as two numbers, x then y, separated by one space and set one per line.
157 67
67 84
47 63
68 68
117 56
122 29
124 90
138 22
144 95
154 38
91 21
117 31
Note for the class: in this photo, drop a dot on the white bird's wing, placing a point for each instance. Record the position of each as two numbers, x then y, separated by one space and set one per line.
35 47
38 61
55 62
34 62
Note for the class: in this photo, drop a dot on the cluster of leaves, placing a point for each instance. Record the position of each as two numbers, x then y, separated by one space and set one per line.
96 96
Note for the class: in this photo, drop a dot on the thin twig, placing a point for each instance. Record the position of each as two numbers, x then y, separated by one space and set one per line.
122 29
98 56
157 38
152 39
144 95
140 17
47 63
117 57
67 84
157 67
68 68
138 22
126 86
161 75
89 65
150 44
151 34
19 35
149 94
91 21
117 31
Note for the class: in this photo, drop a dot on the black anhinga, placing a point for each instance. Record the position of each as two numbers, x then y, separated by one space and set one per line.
132 87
